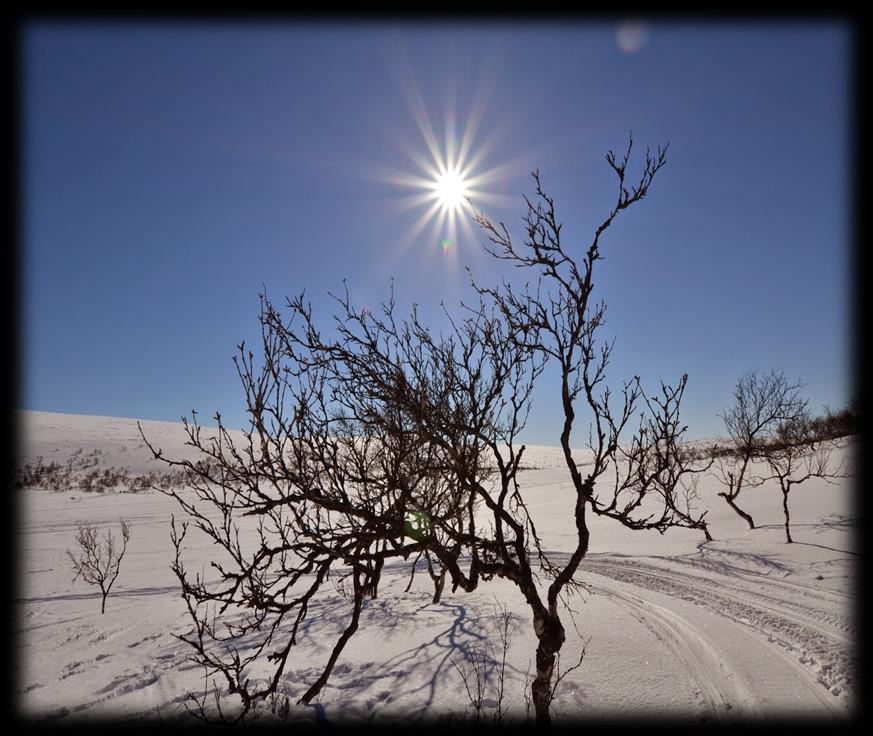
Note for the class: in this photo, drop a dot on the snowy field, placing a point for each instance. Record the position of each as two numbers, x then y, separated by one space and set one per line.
745 626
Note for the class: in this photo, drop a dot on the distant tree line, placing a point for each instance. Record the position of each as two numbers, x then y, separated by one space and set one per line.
835 424
79 473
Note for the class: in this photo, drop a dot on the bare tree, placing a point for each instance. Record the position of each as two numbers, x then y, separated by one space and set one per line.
658 461
795 455
763 402
557 320
352 432
98 563
348 438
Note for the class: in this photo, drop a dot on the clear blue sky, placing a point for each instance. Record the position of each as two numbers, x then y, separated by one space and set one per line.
171 170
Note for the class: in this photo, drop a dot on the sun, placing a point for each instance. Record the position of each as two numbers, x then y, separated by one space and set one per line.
450 180
451 190
448 188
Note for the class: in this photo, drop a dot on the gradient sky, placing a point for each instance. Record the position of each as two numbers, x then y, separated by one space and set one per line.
171 170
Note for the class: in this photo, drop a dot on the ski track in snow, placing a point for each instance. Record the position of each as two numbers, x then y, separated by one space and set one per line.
818 634
717 688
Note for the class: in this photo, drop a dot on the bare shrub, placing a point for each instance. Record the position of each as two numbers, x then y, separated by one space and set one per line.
485 669
834 424
474 674
80 473
53 475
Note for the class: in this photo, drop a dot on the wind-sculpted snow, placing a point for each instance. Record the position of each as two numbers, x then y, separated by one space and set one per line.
740 628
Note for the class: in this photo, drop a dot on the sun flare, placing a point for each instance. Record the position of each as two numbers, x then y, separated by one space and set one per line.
451 179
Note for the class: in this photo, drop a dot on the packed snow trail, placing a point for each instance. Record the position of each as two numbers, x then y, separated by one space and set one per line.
758 629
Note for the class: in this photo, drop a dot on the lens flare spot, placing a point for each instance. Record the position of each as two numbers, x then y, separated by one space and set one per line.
445 245
631 36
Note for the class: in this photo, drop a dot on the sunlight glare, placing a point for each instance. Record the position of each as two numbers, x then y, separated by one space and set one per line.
451 190
449 181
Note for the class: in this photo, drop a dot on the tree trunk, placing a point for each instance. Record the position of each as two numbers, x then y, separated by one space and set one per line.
551 637
438 581
375 576
785 491
103 604
706 533
438 584
740 512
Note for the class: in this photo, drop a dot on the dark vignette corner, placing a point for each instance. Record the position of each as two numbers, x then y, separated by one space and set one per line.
859 185
12 272
12 277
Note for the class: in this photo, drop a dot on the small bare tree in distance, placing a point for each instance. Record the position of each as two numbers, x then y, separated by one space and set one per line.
763 402
98 563
795 455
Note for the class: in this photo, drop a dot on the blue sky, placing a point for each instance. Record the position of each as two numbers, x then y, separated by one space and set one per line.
171 170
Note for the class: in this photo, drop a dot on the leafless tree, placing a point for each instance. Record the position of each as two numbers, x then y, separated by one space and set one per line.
98 563
795 455
354 430
658 461
348 437
762 403
558 320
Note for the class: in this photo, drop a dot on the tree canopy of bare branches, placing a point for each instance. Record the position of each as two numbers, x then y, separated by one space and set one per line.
355 429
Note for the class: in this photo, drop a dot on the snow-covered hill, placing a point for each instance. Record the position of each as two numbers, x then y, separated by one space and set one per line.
743 626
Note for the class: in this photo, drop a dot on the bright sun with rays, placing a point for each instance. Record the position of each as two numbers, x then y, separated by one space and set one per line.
450 183
446 188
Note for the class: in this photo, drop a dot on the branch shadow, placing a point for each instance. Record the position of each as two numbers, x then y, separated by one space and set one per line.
832 549
418 671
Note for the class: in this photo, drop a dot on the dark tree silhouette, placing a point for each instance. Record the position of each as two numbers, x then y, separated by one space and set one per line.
355 432
557 320
349 438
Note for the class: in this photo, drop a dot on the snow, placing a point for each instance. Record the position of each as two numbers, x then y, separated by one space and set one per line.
745 626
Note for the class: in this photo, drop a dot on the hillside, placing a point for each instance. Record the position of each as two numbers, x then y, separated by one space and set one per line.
743 626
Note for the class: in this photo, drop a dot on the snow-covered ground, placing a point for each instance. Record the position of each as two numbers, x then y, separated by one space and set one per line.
743 626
